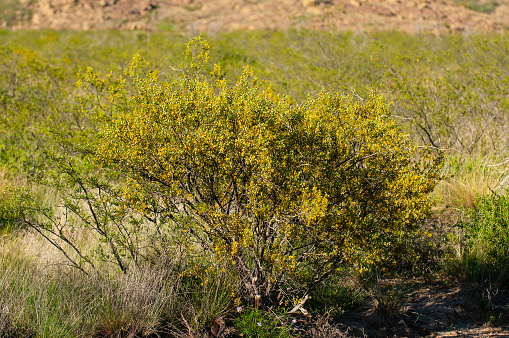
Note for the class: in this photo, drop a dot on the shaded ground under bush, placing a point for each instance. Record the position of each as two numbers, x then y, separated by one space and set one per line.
436 311
432 311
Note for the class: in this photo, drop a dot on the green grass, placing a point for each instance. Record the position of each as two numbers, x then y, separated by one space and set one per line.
484 257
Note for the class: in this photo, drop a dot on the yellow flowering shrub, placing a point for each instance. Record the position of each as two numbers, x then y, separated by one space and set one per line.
288 191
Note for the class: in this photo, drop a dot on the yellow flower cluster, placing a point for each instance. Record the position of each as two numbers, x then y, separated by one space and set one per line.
282 189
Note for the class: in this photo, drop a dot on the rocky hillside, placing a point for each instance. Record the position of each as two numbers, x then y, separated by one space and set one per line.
413 16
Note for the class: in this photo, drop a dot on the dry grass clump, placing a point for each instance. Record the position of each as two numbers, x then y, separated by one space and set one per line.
13 281
42 296
136 303
467 178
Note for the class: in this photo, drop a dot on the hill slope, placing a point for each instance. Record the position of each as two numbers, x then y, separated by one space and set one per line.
412 16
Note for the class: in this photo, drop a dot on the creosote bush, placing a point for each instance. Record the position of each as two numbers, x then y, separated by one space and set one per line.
288 192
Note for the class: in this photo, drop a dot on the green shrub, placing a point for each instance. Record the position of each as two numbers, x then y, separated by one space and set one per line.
288 192
15 204
32 90
485 255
